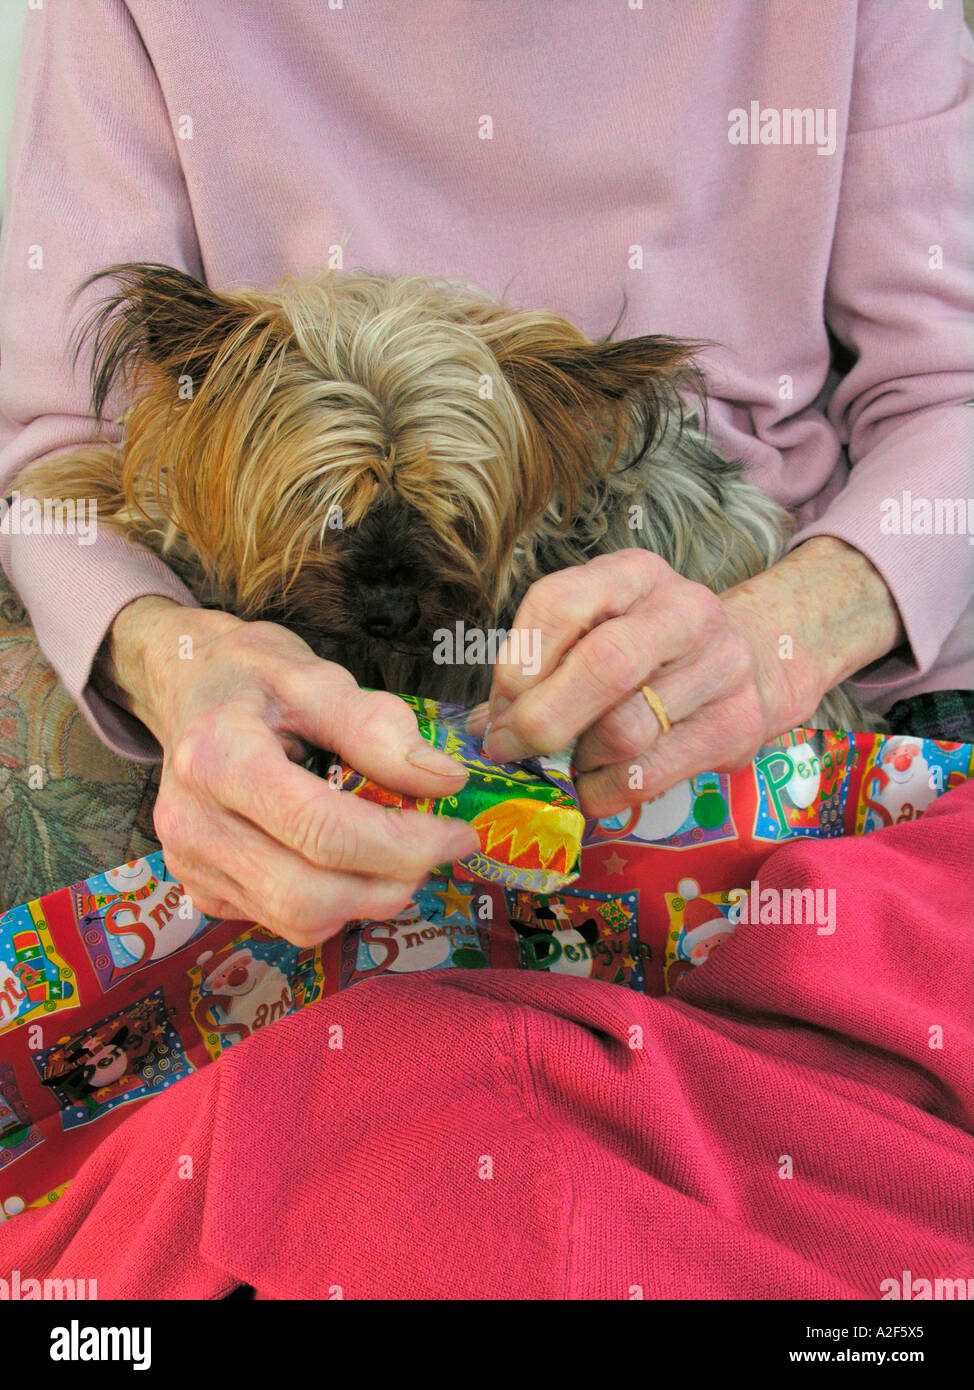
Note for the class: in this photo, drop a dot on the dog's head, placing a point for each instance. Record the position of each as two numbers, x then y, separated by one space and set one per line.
365 459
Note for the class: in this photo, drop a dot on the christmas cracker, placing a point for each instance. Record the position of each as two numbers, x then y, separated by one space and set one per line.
526 814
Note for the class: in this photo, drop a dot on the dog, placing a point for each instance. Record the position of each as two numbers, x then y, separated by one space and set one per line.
368 460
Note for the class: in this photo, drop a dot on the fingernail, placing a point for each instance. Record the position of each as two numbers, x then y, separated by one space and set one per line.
464 843
433 760
498 707
502 746
477 718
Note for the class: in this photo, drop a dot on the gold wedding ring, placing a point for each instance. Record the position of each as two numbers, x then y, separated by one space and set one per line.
658 708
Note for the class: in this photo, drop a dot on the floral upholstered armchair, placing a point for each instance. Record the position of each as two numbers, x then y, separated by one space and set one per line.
68 805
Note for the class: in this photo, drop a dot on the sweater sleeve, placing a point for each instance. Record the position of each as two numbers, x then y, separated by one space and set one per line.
900 297
93 178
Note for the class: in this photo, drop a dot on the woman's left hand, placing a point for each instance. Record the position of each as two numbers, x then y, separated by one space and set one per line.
731 670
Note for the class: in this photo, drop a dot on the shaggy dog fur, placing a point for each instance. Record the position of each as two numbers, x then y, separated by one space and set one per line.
368 460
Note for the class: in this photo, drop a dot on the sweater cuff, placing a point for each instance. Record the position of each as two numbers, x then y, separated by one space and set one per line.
73 592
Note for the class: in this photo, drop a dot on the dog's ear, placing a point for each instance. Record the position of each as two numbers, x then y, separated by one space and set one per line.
586 403
156 317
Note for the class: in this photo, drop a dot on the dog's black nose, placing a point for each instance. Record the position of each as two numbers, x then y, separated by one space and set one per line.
389 612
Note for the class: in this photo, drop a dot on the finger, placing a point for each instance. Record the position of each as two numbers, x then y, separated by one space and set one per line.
623 733
477 719
632 727
373 731
598 673
242 766
242 873
304 925
717 738
561 607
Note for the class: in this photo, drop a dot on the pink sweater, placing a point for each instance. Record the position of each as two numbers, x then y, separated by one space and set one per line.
566 154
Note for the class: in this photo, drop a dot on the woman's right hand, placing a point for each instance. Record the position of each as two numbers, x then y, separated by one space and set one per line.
246 830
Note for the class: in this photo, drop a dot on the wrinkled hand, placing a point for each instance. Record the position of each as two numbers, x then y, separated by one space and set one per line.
623 621
248 832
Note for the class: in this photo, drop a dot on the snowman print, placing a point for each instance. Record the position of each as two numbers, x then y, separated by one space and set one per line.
156 923
405 943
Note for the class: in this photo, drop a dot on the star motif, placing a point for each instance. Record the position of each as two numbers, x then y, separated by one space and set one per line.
454 901
614 863
628 962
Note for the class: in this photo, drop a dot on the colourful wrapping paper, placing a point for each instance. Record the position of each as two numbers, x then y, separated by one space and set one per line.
115 988
526 813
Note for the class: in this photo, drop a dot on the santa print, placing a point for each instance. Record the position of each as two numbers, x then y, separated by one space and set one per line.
705 928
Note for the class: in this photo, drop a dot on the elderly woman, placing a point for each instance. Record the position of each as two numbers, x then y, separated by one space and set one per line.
487 147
